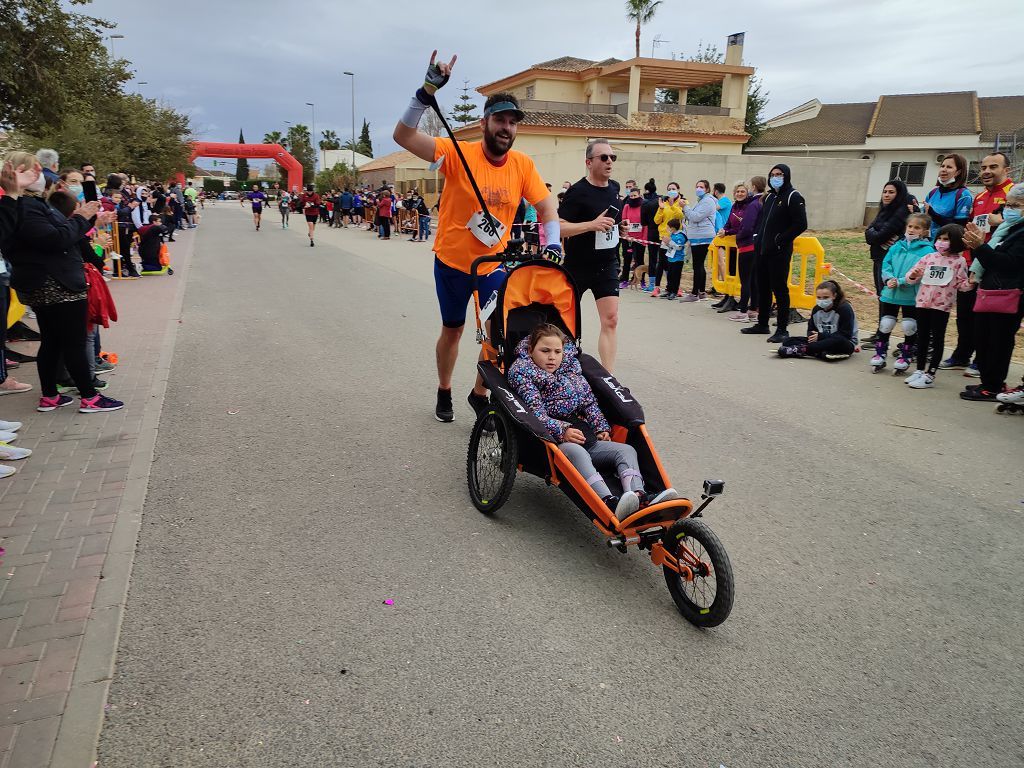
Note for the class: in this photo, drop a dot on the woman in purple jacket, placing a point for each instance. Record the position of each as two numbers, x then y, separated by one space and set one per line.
742 220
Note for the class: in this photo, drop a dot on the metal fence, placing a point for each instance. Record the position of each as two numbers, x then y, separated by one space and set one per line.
1012 144
683 109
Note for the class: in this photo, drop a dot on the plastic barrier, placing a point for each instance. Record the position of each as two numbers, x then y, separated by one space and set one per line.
806 269
15 310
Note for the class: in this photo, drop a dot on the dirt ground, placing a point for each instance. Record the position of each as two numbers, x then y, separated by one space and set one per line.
846 250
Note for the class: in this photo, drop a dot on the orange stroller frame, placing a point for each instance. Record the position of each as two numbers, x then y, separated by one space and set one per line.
507 438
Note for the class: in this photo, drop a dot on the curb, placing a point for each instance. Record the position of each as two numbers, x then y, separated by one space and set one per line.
82 721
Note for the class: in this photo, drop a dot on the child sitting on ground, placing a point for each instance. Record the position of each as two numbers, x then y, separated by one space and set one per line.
941 275
831 330
898 294
675 254
150 238
548 377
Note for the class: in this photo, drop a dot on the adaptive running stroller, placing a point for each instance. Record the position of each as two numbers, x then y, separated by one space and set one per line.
507 438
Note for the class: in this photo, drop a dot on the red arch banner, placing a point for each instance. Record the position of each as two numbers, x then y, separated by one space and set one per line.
274 152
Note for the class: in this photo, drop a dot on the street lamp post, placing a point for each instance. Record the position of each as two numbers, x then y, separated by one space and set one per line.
353 76
110 42
316 145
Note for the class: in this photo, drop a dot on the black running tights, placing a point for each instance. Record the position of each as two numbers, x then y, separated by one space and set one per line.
62 332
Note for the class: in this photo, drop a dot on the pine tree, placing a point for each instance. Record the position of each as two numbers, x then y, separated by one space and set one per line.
365 146
462 112
242 167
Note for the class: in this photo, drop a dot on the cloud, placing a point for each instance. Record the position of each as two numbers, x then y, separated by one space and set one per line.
254 66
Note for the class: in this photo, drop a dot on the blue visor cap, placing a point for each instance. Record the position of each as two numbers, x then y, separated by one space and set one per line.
504 106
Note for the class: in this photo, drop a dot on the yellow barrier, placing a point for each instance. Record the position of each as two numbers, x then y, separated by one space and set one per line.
808 262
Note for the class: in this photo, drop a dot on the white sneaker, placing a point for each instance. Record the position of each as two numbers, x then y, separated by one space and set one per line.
913 377
9 426
13 453
629 503
8 437
6 471
877 360
924 381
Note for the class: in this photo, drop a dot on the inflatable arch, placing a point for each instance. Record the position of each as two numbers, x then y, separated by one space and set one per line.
274 152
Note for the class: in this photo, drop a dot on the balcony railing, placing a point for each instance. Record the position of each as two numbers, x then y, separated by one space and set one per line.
683 109
576 108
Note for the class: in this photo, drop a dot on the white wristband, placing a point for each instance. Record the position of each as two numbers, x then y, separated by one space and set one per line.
552 231
413 113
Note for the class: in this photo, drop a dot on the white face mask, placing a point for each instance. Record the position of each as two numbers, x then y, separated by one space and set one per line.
39 185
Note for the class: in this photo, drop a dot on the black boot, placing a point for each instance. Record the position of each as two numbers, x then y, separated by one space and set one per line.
728 305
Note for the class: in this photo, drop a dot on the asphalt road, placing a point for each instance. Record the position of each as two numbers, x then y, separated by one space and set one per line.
301 480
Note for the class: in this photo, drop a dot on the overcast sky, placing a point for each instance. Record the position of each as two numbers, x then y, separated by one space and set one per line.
232 64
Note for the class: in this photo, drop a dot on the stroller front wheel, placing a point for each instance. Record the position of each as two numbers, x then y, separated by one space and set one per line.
491 460
707 600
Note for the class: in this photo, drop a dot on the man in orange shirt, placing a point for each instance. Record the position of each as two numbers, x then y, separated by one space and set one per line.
504 177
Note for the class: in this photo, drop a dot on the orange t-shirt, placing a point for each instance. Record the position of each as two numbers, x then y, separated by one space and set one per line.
502 188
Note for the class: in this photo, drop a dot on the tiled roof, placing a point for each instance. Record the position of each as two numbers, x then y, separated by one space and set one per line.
1000 114
926 114
568 120
960 113
835 124
572 64
387 161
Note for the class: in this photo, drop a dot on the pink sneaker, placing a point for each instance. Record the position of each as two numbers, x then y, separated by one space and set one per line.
690 297
740 317
53 403
656 293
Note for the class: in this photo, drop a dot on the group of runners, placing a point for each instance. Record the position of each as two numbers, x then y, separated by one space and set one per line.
307 203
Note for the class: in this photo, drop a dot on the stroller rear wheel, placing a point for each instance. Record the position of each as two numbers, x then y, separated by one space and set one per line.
491 460
707 600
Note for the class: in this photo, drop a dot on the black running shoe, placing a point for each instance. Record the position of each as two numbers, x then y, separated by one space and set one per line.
757 328
444 411
477 402
781 336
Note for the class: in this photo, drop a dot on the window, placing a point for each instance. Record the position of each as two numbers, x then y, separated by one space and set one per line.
429 187
911 174
530 91
973 169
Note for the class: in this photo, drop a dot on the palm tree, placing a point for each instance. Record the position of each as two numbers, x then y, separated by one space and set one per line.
641 11
330 140
275 137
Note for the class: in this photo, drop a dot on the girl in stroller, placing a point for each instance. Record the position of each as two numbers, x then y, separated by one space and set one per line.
547 376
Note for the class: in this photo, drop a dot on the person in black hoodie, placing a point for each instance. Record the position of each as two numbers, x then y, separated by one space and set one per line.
648 210
887 228
782 219
49 275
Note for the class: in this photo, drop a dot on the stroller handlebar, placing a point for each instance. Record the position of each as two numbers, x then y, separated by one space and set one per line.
513 252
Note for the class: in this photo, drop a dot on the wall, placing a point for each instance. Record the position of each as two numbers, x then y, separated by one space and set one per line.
559 90
835 189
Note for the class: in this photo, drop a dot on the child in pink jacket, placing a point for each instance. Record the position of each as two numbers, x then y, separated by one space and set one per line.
941 275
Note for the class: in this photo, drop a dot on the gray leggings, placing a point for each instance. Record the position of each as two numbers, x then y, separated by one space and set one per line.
605 455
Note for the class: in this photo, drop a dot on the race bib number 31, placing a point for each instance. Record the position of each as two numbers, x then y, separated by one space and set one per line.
605 240
488 231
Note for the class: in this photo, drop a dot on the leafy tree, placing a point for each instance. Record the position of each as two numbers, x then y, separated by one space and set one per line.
365 146
36 35
275 137
242 166
301 147
330 140
641 11
711 95
462 112
338 177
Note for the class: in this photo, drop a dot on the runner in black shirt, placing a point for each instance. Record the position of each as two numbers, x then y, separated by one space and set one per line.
590 215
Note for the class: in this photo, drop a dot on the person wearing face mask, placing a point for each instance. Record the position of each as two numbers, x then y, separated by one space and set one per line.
649 231
632 253
900 293
782 219
72 182
887 227
831 329
950 201
997 313
670 207
700 230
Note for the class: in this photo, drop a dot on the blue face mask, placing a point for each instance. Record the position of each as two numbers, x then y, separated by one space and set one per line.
1011 215
699 191
776 182
825 303
673 194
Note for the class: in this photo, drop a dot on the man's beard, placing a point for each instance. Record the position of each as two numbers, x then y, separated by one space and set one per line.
493 144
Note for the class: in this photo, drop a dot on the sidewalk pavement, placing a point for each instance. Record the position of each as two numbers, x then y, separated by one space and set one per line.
69 520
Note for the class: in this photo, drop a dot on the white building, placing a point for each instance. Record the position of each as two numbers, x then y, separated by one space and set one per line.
904 136
331 157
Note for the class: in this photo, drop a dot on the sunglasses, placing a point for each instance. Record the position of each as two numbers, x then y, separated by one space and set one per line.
604 158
